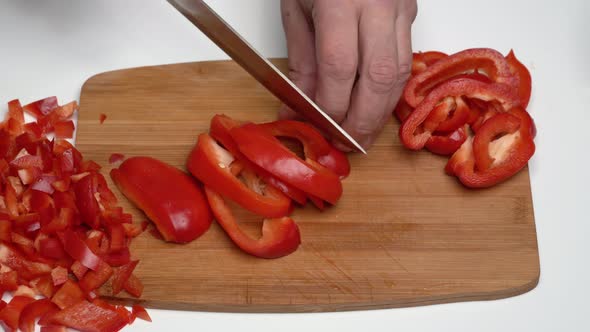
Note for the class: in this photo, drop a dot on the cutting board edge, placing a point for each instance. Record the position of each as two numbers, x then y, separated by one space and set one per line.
336 307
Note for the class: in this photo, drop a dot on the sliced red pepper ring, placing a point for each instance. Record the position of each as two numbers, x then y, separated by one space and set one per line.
423 60
524 77
220 131
498 125
510 152
470 88
315 146
489 61
280 237
210 163
270 154
169 197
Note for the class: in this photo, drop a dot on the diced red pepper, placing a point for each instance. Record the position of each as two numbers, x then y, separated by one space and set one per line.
121 275
43 285
86 201
447 144
32 311
41 107
78 269
118 258
59 275
78 250
280 237
69 294
64 129
94 279
133 286
8 281
11 313
117 236
15 111
116 158
102 118
140 312
25 268
86 316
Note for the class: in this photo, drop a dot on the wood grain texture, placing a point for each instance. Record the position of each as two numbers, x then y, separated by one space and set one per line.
404 233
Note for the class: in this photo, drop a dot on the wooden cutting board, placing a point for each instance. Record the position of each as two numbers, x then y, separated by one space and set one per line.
404 233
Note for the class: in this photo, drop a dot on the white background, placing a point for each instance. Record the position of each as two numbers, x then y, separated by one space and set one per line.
51 47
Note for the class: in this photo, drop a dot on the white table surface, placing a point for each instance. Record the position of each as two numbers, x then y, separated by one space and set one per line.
51 47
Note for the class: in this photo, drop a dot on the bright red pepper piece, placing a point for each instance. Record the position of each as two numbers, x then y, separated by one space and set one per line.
121 275
78 250
12 311
25 268
210 163
32 311
94 279
446 145
280 237
524 77
64 129
140 312
422 60
59 275
268 153
85 316
41 107
68 294
456 88
169 197
133 286
490 61
499 124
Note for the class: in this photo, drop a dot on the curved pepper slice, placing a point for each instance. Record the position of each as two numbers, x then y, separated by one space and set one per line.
490 61
447 145
470 88
524 77
220 130
510 153
32 311
269 153
498 125
280 237
422 60
169 197
210 163
315 146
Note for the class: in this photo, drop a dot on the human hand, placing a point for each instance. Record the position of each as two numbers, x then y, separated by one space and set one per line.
352 57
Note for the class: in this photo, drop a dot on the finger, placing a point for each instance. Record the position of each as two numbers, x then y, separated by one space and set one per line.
300 50
336 55
403 29
379 73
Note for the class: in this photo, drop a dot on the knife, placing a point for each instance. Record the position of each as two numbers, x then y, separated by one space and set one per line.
214 27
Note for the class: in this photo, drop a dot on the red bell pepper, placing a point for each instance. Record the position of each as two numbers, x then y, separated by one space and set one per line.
8 281
169 197
470 88
210 163
121 275
85 316
524 78
280 236
68 294
94 279
221 126
12 311
133 286
59 275
140 312
43 285
423 60
267 152
32 311
489 61
509 153
315 146
446 145
64 129
78 250
26 269
41 107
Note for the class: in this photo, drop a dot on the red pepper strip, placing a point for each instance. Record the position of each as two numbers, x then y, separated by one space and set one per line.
448 144
511 153
86 201
269 153
140 312
133 286
94 279
315 146
422 60
85 316
498 125
11 313
32 311
220 131
78 250
210 163
490 61
169 197
280 237
121 275
524 77
439 114
69 294
26 269
402 110
455 88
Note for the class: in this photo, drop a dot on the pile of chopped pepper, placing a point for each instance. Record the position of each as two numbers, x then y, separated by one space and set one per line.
471 106
62 235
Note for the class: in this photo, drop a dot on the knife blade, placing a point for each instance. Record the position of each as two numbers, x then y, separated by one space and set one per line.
226 38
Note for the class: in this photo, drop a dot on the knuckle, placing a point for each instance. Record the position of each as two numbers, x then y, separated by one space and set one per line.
337 64
383 74
298 75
